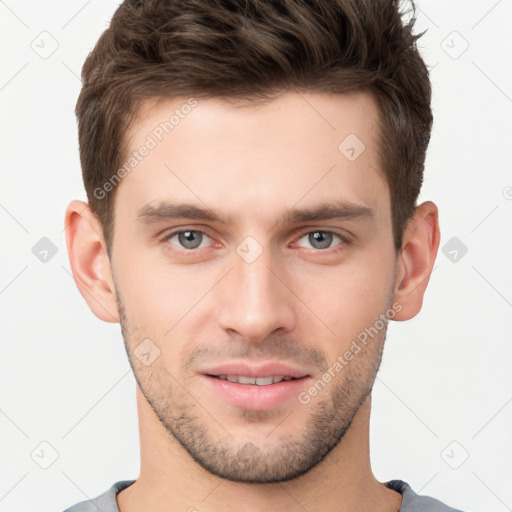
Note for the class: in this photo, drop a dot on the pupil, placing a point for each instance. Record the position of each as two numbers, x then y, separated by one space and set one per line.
187 239
321 237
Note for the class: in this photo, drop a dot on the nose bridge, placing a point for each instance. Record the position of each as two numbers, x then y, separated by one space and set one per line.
256 302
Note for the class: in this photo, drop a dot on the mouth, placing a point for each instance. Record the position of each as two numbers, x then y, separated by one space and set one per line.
255 387
258 381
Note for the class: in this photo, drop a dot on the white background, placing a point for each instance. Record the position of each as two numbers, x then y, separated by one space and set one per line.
64 376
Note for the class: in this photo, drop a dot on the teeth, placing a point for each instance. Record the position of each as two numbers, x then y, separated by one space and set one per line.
264 381
259 381
246 380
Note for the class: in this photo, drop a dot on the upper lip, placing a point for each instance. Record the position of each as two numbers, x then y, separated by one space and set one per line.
269 369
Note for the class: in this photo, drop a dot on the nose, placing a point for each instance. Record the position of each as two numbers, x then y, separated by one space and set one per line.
254 299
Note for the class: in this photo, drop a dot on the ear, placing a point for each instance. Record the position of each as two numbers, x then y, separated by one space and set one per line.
416 259
89 261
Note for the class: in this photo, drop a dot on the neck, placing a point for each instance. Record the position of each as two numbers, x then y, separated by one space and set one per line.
171 480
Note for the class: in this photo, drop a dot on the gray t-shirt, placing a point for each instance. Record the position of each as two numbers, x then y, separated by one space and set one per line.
411 501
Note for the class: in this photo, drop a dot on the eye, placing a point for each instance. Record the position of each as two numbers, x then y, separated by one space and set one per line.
188 239
321 239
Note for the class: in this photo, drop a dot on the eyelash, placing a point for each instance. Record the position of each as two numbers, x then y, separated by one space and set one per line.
335 249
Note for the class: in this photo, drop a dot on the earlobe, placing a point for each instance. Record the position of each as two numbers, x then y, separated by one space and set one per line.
89 261
416 260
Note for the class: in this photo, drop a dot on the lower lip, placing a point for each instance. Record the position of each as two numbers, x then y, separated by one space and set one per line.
254 397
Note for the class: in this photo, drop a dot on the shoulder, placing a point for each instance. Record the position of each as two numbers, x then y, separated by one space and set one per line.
412 502
105 502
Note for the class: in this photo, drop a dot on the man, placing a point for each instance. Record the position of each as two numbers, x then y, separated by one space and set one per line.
252 171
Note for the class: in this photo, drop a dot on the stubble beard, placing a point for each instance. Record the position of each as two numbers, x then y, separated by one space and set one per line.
269 459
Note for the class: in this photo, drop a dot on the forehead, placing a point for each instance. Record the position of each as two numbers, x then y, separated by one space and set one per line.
297 147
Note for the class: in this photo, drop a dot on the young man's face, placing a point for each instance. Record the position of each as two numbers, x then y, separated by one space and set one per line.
256 291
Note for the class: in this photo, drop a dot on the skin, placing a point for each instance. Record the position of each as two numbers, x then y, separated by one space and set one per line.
298 302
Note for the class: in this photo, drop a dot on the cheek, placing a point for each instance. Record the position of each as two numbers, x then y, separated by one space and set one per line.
158 293
347 298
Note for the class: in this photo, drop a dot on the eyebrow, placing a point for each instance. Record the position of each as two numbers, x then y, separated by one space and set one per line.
338 210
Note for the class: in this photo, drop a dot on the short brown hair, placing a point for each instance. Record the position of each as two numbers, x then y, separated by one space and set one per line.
250 50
